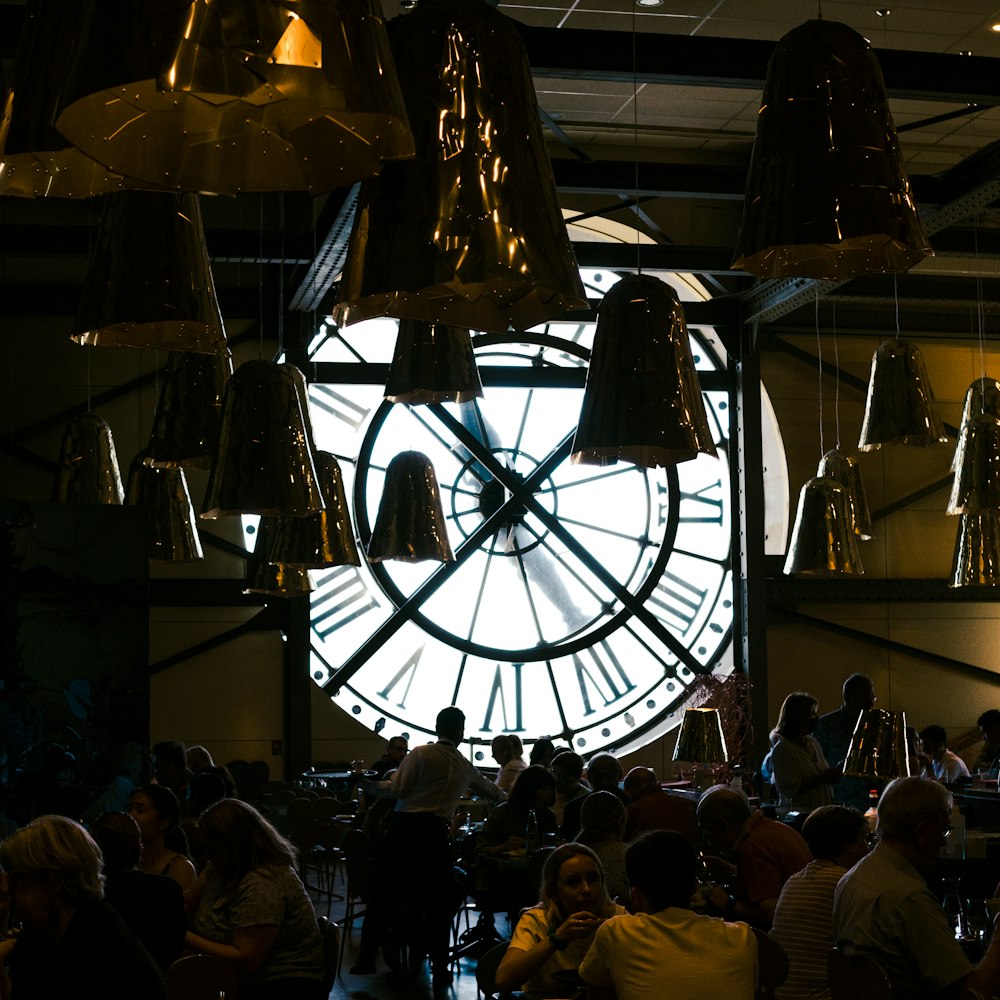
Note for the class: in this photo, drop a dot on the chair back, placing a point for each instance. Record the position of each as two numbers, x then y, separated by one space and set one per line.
486 969
856 977
772 964
331 952
201 977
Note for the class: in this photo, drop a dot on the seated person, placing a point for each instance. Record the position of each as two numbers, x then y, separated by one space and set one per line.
164 847
504 829
567 769
555 934
604 774
152 906
664 949
883 909
989 729
936 760
542 752
650 807
767 854
803 918
603 832
507 752
72 944
397 748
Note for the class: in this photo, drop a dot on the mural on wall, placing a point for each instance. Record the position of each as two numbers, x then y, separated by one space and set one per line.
74 679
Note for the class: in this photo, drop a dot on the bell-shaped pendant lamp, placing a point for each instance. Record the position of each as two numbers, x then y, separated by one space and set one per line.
149 283
827 195
316 540
173 533
263 463
976 485
900 408
88 466
224 96
844 468
432 363
976 562
274 579
701 740
35 160
878 747
982 396
470 232
643 401
410 524
302 392
186 422
823 540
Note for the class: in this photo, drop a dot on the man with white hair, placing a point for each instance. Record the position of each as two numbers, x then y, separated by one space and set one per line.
883 909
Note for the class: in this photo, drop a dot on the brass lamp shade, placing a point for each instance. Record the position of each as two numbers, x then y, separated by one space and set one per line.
900 407
976 562
432 363
844 468
823 541
643 401
88 466
410 524
35 160
827 195
470 232
976 485
982 396
186 422
701 740
227 96
878 747
149 283
173 532
274 579
263 463
316 540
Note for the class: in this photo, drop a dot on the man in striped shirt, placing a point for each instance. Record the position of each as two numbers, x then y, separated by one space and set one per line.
803 919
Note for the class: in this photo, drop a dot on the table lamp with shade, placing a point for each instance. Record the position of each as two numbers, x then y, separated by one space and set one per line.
701 741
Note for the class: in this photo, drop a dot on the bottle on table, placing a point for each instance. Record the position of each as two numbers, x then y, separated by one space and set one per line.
532 833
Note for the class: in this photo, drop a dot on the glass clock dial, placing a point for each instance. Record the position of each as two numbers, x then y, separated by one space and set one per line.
583 600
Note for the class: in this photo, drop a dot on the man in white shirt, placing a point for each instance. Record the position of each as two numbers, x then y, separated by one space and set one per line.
664 948
936 760
416 866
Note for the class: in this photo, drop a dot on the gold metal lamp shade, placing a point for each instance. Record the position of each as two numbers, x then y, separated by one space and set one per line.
227 96
976 485
976 562
173 532
823 541
643 401
878 747
186 422
844 468
149 283
701 740
35 160
316 540
274 579
827 195
470 232
982 396
410 525
900 408
432 363
263 463
88 466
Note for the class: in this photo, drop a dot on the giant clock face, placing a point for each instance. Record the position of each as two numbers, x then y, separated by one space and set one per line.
583 601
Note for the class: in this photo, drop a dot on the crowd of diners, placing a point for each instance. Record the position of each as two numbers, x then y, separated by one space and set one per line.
640 893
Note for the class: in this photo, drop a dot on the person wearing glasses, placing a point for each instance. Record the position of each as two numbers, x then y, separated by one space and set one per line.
72 943
883 909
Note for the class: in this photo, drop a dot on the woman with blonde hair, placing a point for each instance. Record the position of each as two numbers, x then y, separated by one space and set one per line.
250 908
72 943
555 935
508 752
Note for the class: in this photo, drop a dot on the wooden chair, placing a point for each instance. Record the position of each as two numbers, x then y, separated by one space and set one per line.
856 977
772 965
201 977
486 969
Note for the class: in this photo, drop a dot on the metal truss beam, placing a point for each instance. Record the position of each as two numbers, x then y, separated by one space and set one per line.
792 590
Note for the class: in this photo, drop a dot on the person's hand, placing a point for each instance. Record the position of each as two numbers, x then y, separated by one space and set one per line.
578 926
718 898
718 868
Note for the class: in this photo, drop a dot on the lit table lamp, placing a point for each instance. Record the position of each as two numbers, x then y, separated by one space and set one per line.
701 740
878 748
